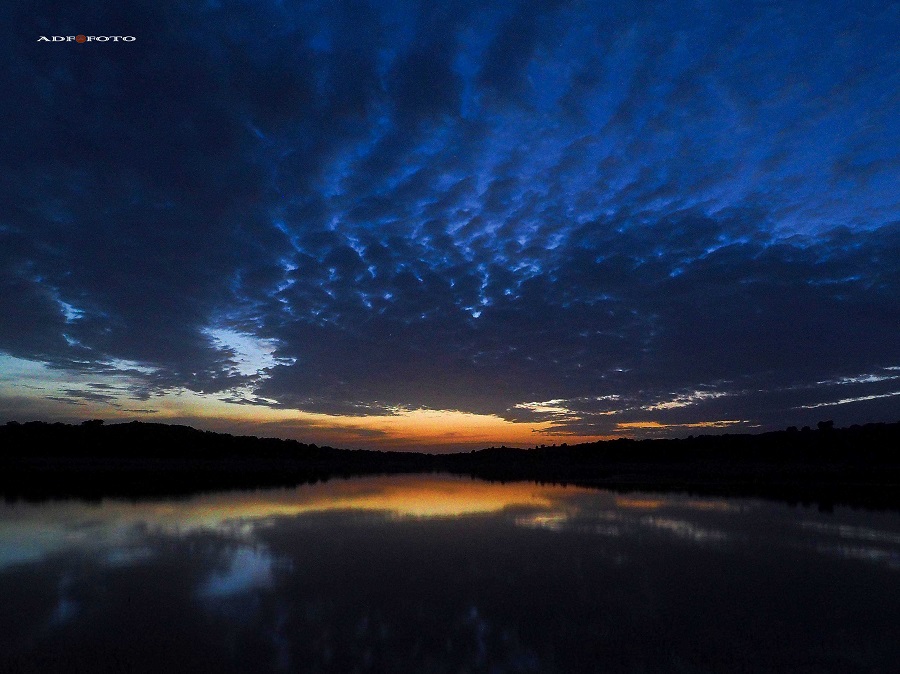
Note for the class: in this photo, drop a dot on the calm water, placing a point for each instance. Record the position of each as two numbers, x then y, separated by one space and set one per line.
438 574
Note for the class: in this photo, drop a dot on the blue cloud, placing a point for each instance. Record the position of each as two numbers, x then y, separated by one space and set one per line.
468 206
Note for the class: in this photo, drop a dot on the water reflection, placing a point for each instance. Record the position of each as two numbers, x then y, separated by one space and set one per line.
30 531
443 574
247 569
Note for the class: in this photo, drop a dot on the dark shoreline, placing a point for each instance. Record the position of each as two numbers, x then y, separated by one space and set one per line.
857 466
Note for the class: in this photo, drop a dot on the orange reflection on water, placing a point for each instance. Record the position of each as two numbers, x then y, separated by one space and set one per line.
31 531
39 528
674 501
633 503
401 495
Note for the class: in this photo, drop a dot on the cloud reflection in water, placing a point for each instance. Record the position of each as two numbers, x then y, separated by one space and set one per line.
436 573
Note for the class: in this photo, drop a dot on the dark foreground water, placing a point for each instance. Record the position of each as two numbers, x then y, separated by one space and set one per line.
439 574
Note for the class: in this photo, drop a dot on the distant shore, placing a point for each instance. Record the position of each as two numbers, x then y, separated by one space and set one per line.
855 466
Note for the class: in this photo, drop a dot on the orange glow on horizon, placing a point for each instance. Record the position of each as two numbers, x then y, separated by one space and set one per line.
402 428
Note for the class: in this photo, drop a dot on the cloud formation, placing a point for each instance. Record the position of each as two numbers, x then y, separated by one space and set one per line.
592 215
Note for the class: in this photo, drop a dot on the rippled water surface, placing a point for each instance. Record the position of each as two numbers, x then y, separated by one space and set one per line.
443 574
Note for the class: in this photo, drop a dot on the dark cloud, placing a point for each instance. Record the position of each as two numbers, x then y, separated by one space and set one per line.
471 206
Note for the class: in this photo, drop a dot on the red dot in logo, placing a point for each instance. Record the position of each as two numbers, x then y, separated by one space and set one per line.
80 38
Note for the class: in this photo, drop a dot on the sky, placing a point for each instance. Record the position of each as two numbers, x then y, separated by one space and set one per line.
445 225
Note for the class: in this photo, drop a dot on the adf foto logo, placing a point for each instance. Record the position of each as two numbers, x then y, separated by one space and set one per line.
87 38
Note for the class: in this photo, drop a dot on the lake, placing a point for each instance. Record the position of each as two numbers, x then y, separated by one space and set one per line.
431 573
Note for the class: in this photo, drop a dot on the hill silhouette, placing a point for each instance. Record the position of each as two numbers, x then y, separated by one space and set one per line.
859 465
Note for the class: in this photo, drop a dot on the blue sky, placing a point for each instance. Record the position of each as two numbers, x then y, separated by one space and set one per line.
346 221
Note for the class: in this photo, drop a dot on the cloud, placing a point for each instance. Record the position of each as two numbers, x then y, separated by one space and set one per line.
355 208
